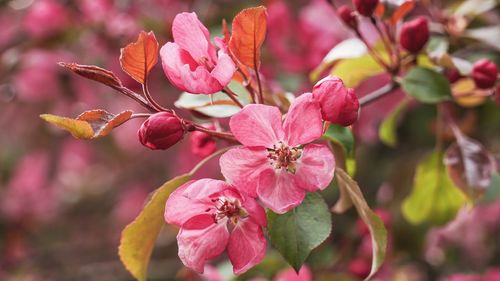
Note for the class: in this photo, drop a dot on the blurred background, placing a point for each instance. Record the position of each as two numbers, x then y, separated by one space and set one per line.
64 202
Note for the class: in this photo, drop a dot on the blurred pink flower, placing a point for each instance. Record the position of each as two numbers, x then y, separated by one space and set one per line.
38 77
299 46
190 62
202 144
276 162
29 195
290 275
130 203
213 216
45 18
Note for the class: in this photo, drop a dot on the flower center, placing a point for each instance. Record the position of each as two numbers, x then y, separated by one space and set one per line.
206 62
284 157
228 208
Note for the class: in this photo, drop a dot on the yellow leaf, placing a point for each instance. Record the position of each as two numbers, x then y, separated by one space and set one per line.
354 71
139 237
78 128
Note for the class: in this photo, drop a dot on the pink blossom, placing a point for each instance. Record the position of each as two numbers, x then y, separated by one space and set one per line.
213 216
276 162
45 18
191 62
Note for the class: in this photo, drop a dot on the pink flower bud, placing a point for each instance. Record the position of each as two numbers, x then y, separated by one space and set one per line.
161 131
359 268
202 144
365 7
345 13
339 105
484 73
414 34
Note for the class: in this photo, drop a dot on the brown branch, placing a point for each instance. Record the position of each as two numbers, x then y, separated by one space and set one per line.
375 95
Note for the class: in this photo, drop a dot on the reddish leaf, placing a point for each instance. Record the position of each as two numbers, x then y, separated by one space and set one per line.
470 165
402 11
249 32
138 58
95 73
90 124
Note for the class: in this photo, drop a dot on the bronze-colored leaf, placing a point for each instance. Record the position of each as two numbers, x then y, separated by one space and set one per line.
469 165
138 58
95 73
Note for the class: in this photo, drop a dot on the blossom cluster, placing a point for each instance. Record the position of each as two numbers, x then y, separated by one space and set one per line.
276 164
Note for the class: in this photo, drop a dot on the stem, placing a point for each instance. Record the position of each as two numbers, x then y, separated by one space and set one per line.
375 95
222 135
138 98
385 39
208 158
372 52
150 99
140 115
257 75
232 96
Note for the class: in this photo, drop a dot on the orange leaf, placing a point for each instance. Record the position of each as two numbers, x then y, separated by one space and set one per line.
95 73
138 58
249 32
402 11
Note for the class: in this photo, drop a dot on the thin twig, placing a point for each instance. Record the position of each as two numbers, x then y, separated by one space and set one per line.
232 96
375 95
222 135
140 115
150 99
138 98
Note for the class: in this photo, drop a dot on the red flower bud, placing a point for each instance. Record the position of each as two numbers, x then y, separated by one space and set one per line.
202 144
359 267
484 73
161 131
345 13
414 34
365 7
452 74
339 105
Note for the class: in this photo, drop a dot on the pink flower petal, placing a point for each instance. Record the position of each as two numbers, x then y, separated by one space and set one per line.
278 191
184 73
247 246
224 69
303 122
315 168
201 239
257 125
243 166
191 199
254 210
191 35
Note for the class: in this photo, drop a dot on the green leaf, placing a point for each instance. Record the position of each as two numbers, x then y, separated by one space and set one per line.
296 233
434 197
472 8
375 225
342 136
427 85
387 130
139 237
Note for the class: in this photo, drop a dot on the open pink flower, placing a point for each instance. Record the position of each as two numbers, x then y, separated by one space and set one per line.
191 62
276 163
213 216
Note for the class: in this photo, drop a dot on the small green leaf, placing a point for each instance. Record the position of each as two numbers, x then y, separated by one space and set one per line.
434 197
296 233
375 225
387 130
341 135
427 85
139 237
